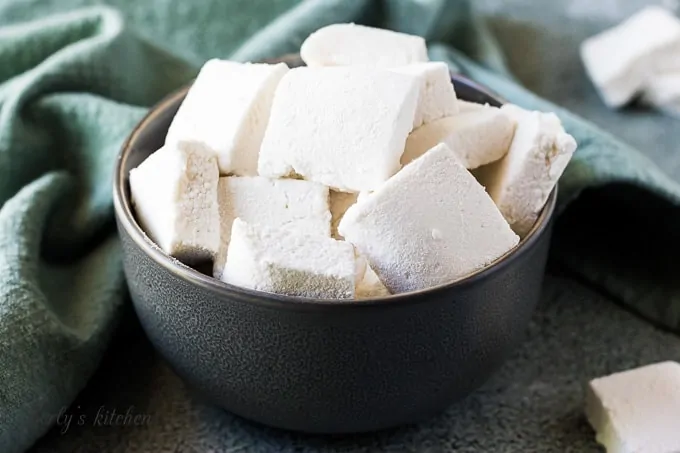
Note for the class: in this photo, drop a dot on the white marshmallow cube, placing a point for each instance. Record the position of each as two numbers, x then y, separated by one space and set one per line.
620 60
343 127
437 96
637 410
227 110
478 137
430 224
174 194
291 263
298 206
520 183
663 88
351 44
339 203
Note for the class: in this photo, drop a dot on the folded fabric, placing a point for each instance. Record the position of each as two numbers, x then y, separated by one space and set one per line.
73 85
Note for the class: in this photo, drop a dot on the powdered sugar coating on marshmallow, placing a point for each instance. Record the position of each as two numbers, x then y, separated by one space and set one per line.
430 224
174 194
299 206
284 262
637 410
520 183
478 137
344 127
227 110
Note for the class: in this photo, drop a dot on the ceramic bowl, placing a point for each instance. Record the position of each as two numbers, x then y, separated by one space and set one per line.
326 366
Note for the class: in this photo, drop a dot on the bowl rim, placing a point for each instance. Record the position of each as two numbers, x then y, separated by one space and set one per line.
123 212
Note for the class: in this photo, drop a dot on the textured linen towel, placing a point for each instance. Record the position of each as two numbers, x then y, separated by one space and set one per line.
73 83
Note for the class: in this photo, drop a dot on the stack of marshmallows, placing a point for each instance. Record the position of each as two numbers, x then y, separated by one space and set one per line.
347 178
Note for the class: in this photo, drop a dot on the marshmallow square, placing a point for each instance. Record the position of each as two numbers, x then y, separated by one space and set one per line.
227 110
291 263
429 224
520 183
637 410
174 195
437 96
298 206
478 137
620 60
351 44
344 127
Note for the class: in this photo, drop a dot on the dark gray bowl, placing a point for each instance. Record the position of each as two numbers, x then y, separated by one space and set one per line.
324 366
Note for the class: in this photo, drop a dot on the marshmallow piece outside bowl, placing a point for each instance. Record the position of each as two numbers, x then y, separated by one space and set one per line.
620 60
430 224
662 91
351 44
174 193
344 127
300 206
276 359
282 261
637 410
478 137
227 109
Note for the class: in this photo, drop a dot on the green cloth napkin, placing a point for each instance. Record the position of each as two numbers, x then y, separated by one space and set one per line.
74 84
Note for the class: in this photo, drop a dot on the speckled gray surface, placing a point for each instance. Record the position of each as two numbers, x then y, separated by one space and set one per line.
534 404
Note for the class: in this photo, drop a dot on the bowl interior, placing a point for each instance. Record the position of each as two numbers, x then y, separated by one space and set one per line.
149 136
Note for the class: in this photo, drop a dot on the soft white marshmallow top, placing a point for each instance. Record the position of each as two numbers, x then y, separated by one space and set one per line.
351 44
227 109
437 95
344 127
